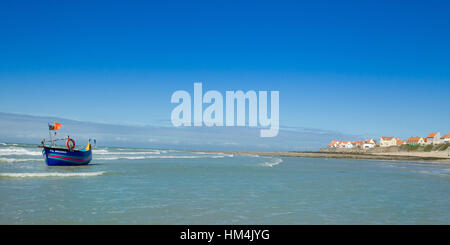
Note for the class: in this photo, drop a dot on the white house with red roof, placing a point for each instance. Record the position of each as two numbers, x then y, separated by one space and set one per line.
368 143
387 141
446 138
415 141
344 144
433 138
335 144
347 144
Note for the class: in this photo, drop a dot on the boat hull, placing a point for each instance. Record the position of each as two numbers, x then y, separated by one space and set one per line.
64 157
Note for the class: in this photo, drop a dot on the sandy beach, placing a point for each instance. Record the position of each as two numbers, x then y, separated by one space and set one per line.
434 154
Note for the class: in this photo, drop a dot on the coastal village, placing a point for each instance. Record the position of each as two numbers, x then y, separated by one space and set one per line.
388 141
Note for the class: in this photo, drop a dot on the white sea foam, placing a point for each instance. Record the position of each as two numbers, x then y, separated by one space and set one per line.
106 152
56 174
272 162
156 157
19 151
214 154
12 160
100 151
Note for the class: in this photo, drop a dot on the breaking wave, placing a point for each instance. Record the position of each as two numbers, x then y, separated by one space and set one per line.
273 162
13 160
19 151
106 152
157 157
251 155
217 154
28 175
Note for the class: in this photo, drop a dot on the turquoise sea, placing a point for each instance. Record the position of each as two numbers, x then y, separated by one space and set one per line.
149 186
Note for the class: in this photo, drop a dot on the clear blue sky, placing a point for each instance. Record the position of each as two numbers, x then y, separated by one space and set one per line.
358 67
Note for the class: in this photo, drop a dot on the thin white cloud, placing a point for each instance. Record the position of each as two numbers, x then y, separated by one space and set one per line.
32 129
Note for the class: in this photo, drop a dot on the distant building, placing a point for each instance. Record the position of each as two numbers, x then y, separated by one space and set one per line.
388 141
415 141
433 138
368 143
357 143
344 144
347 144
399 142
334 144
446 138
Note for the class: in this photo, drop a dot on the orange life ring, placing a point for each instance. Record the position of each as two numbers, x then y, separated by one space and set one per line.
72 145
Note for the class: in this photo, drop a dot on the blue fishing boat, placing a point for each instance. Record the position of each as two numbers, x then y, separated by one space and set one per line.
69 156
63 157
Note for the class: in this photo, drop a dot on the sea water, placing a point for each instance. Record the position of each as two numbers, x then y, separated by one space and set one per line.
151 186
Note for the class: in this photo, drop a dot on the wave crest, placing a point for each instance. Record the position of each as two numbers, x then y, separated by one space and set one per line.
156 157
106 152
10 151
273 162
13 160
